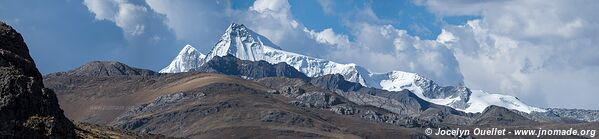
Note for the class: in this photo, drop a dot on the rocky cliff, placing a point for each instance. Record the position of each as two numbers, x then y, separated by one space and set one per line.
28 109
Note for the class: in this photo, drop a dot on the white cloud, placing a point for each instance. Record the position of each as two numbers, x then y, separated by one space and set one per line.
104 10
328 36
537 50
446 37
272 6
272 18
327 6
383 48
196 22
128 16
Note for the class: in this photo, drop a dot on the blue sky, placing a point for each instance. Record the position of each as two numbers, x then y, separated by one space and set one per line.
535 50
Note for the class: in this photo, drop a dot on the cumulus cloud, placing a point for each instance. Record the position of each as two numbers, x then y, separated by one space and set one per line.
446 37
278 7
328 36
273 19
538 50
405 52
197 22
128 16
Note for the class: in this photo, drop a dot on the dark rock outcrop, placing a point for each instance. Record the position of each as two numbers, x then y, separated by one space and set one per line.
106 68
435 91
27 109
334 82
495 115
231 65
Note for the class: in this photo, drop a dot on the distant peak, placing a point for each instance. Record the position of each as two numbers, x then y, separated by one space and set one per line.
238 29
242 42
188 49
106 68
188 46
103 63
188 58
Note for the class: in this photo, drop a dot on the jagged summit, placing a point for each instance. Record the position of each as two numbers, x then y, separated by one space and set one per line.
245 44
240 30
241 42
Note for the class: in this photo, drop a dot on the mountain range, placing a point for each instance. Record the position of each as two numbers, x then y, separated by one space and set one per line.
245 44
232 98
247 87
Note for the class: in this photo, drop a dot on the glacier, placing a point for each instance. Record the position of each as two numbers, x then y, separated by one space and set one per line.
246 44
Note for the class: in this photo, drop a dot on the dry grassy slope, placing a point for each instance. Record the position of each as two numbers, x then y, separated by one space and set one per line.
102 99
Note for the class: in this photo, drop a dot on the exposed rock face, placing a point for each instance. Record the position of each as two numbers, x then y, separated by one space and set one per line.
495 115
334 82
435 91
230 65
27 109
357 104
578 114
107 68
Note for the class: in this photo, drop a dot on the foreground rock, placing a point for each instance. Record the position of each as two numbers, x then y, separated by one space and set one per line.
28 110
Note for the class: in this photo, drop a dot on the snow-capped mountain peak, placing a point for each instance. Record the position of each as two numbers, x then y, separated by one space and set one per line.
187 59
241 42
479 100
245 44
